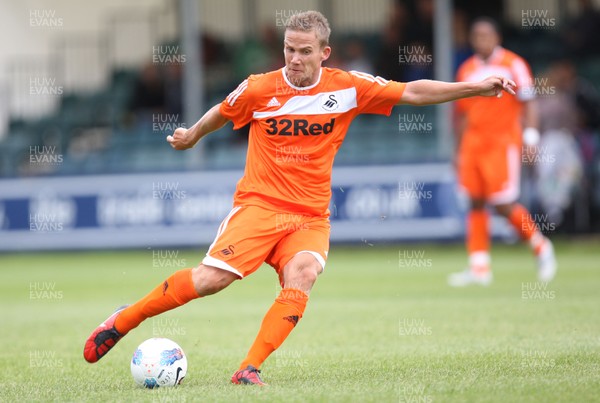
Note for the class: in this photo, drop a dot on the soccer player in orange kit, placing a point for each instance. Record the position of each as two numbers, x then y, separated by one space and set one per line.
489 156
298 118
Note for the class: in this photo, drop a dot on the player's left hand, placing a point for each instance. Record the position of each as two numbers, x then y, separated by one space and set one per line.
494 85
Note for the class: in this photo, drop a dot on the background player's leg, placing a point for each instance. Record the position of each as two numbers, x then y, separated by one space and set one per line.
522 222
299 275
472 177
526 227
182 287
477 240
478 237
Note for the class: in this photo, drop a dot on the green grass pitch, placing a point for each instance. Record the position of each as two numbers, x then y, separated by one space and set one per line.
381 326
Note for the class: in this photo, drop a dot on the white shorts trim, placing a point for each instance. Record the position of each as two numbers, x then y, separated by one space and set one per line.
219 264
316 256
511 192
223 226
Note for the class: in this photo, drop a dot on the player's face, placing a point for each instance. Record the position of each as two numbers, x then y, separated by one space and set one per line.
303 57
484 39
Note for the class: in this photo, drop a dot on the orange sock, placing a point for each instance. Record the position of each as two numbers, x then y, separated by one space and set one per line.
478 237
173 292
276 325
526 227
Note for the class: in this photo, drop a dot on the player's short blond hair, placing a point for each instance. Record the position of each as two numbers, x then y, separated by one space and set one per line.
307 21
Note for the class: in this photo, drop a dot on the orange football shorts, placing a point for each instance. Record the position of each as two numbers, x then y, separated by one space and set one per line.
491 173
251 235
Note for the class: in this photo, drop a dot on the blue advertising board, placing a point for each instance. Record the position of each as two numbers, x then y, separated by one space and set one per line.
369 204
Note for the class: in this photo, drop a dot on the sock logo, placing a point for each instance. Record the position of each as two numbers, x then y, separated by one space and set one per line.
165 286
293 319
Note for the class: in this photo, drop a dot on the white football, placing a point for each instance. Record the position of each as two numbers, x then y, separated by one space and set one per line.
158 362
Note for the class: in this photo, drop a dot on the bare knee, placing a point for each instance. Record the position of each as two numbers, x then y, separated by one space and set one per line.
477 204
504 209
301 272
209 280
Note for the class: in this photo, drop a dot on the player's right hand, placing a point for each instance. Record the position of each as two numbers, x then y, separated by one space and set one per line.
181 139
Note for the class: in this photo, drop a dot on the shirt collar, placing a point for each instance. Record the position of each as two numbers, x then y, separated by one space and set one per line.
301 88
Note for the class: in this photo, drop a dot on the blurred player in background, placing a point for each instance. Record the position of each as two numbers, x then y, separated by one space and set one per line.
298 119
490 142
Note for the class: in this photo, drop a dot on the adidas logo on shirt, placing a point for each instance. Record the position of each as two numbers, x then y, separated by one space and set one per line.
273 102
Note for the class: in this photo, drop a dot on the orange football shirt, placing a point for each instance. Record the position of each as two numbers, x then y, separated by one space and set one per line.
295 133
492 120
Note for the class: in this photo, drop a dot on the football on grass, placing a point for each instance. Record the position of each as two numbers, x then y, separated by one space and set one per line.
158 362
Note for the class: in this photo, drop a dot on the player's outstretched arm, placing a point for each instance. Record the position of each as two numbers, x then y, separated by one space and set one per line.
183 138
427 92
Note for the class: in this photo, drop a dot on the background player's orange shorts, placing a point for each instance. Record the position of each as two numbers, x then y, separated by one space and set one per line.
491 173
251 235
